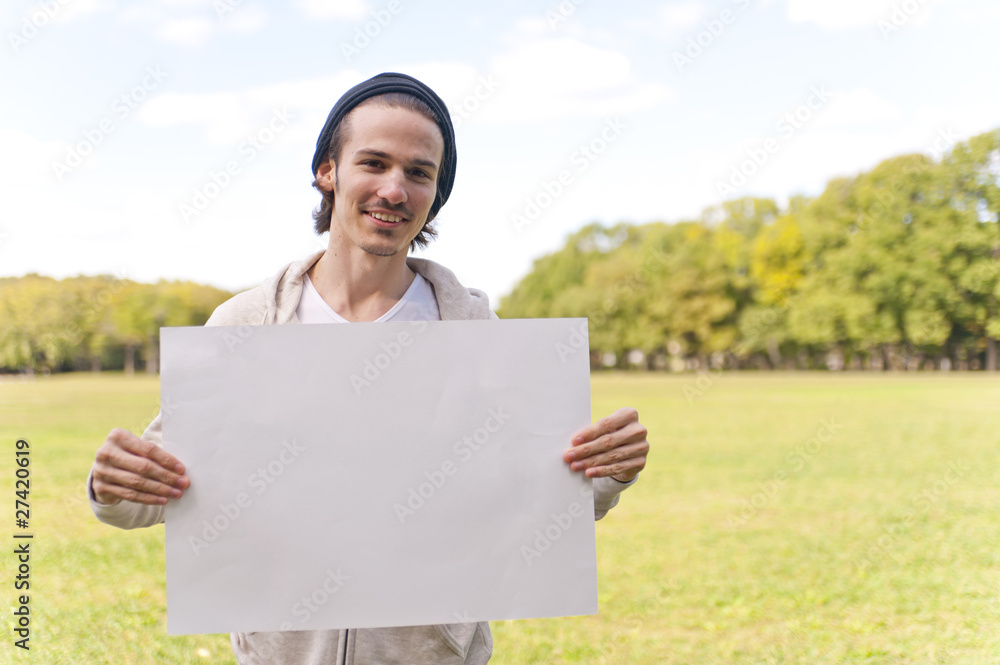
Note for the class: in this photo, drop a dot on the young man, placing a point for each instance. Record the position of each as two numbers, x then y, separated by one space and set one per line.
385 164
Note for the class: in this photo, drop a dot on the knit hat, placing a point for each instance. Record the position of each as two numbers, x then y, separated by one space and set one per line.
393 82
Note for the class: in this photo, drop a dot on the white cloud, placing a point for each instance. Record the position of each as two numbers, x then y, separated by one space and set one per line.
224 115
78 8
246 20
842 14
37 212
25 161
673 20
189 23
452 81
227 117
544 25
137 13
562 77
537 81
681 15
188 32
351 10
858 106
853 13
532 26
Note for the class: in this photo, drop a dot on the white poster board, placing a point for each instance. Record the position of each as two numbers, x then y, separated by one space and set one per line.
377 474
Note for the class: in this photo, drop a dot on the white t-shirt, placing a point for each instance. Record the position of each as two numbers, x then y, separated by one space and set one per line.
417 304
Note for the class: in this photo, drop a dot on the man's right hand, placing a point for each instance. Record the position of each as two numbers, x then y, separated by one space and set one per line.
134 469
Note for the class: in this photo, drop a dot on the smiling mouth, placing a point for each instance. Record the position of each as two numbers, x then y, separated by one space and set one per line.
383 217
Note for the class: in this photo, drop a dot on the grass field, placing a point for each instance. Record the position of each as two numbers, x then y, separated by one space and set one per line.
783 518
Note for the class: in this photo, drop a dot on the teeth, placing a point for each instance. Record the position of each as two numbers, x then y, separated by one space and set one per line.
385 218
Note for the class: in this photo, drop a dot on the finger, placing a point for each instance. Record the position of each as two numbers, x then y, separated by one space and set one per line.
632 433
128 454
606 425
113 480
112 459
110 494
133 444
621 454
623 471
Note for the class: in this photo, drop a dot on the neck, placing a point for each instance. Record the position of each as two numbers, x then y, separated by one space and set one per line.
357 285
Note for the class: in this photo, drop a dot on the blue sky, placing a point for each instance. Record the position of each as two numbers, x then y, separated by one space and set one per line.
173 138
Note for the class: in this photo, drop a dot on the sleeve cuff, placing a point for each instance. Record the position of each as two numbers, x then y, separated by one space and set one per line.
624 483
93 497
607 491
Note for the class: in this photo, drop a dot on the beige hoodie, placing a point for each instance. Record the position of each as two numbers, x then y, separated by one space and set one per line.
275 302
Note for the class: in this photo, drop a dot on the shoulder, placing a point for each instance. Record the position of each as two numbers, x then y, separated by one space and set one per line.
455 301
274 301
247 308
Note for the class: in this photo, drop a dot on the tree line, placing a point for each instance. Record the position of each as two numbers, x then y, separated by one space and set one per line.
894 268
94 323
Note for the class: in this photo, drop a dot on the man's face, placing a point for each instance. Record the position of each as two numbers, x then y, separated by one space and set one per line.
385 180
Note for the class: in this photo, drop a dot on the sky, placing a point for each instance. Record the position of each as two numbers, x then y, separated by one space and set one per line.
172 139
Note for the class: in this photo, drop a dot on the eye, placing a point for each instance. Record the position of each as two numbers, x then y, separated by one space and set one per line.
420 173
373 163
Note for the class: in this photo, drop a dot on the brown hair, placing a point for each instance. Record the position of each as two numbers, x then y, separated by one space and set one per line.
392 100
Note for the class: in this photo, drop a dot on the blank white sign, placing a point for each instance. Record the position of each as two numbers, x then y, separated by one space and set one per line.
376 474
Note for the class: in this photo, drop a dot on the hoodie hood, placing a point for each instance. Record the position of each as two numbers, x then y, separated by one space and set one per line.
275 301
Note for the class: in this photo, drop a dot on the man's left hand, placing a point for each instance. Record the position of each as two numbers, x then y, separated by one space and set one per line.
615 446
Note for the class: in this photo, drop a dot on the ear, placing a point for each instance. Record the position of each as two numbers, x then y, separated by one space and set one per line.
326 175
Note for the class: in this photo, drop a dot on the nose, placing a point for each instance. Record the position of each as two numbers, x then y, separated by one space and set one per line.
392 187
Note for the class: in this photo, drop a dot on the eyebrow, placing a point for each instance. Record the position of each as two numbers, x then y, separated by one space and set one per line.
384 155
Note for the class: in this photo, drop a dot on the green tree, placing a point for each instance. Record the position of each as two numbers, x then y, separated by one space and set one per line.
973 169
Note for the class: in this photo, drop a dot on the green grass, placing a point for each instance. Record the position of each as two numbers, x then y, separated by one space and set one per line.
755 536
